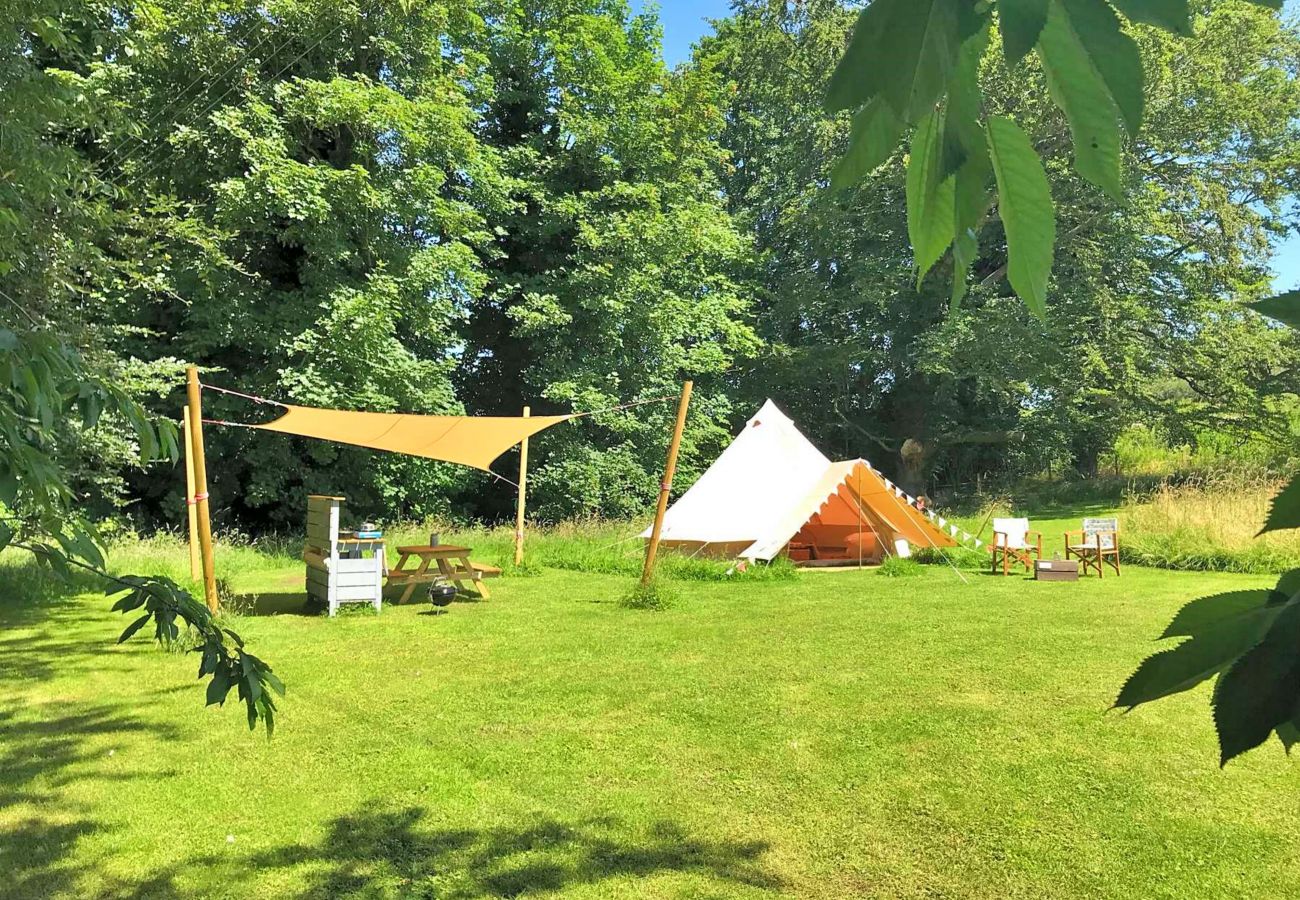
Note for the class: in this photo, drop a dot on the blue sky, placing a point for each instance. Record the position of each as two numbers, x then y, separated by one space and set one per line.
685 20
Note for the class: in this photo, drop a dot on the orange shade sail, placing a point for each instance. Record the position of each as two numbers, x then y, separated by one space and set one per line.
469 440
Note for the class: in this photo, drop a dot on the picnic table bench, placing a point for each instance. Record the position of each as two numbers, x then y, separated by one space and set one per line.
452 564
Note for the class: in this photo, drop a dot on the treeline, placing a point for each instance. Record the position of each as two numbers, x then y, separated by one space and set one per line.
476 206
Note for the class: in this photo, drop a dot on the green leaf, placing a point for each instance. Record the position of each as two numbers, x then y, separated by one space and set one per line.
6 535
8 487
273 682
1021 21
134 627
1221 628
1081 94
252 677
1284 307
1113 54
218 687
1025 207
929 198
8 340
1171 15
874 135
918 53
971 197
1224 610
1285 511
1288 585
965 249
1261 689
1288 732
859 75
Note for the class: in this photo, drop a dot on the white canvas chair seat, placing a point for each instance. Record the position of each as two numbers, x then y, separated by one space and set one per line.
1012 533
1012 545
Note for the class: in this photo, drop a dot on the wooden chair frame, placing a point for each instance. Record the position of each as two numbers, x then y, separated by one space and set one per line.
1094 556
1016 556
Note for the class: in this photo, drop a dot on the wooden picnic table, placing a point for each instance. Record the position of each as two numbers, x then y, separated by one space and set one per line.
452 563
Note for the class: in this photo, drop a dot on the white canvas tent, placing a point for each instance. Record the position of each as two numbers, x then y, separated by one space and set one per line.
772 489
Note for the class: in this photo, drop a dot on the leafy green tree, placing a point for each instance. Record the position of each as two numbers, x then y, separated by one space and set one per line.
307 203
1141 297
612 274
56 399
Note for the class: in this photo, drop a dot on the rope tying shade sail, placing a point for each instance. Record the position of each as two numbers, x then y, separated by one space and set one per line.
469 440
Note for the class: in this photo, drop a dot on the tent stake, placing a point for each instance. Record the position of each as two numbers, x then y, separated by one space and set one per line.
196 570
200 496
666 485
523 494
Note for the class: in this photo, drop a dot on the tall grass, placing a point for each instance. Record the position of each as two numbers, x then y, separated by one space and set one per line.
1209 525
610 548
1205 523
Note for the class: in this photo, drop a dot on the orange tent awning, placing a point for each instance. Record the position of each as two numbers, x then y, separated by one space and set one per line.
469 440
906 520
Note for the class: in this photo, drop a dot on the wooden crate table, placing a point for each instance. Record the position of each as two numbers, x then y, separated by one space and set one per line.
452 563
1056 570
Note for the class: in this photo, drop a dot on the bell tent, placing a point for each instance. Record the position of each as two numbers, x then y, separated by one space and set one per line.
771 492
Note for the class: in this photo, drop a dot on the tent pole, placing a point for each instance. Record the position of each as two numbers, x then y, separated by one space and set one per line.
196 570
523 494
666 485
200 496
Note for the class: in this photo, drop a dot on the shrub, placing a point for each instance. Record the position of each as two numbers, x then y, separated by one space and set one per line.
898 567
962 556
655 596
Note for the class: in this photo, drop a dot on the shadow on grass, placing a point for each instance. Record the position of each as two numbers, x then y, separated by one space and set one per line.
296 603
271 603
381 853
38 758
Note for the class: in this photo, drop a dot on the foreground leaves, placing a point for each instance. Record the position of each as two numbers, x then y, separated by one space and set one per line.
1284 512
46 389
1260 692
905 52
223 657
1025 206
1251 641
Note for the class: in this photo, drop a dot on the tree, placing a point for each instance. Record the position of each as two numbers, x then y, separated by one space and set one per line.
308 222
54 398
612 274
1142 294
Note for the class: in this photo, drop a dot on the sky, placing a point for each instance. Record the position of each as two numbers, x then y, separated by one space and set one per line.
684 21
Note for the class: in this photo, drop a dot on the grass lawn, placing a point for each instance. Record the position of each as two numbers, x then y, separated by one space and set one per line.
833 735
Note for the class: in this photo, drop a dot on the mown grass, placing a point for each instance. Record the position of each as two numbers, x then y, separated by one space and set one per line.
828 735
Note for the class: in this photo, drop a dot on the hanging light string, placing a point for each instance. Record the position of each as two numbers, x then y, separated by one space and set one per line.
253 398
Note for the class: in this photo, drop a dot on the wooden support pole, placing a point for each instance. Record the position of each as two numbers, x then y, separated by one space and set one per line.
191 513
200 495
523 495
666 485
